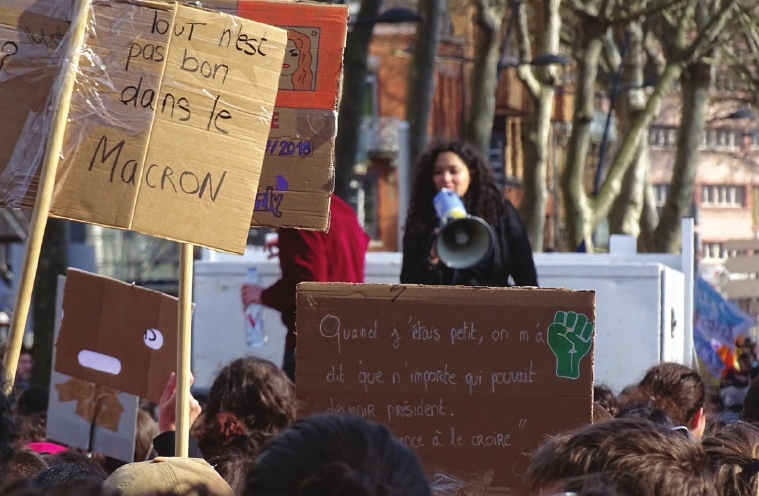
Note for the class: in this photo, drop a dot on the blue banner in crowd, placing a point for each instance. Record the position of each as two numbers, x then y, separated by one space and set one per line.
706 350
715 318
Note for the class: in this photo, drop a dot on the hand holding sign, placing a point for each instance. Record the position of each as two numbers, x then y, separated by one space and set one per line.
168 407
570 337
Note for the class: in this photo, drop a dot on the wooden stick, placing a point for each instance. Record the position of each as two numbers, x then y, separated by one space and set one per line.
62 102
182 435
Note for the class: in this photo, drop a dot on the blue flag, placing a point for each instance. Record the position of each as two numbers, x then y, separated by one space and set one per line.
715 318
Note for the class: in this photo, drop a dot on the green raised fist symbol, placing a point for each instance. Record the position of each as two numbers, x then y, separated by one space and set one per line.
570 338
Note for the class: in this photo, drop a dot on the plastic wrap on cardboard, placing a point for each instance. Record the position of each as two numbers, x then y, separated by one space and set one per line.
171 109
32 36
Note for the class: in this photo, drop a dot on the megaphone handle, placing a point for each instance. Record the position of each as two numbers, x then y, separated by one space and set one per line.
433 258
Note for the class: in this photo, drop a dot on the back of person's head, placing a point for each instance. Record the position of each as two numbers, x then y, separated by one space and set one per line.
24 465
679 391
336 455
69 466
645 411
32 427
250 400
634 456
233 466
604 396
733 451
73 488
32 401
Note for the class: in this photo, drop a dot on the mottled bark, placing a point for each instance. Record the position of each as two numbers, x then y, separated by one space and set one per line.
352 97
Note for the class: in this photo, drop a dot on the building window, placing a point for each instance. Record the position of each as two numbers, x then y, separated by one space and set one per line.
723 195
721 138
660 194
671 137
714 251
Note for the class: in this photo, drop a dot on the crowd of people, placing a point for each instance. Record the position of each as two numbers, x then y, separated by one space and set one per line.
669 434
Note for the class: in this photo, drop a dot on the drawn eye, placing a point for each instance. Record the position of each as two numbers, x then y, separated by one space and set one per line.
294 53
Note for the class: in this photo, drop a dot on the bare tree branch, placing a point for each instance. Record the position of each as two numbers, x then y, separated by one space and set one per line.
612 55
644 12
582 8
683 25
524 71
706 38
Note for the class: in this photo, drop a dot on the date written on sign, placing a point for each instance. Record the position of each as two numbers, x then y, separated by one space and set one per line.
301 148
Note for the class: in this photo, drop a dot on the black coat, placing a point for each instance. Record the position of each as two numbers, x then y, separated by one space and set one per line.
511 256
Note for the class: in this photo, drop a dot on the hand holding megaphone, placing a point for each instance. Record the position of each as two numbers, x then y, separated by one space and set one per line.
463 240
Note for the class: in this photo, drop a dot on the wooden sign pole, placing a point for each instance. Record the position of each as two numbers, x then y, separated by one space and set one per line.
40 214
182 434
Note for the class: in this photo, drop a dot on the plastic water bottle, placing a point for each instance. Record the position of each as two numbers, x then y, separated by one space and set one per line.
254 315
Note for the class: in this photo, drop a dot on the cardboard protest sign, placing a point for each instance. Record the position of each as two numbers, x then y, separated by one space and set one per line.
297 179
84 415
29 63
471 378
117 335
168 124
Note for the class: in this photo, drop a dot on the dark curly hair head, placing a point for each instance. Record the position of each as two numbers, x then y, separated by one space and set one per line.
483 198
336 455
251 400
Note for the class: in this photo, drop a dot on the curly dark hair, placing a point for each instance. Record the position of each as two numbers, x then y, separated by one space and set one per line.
250 401
483 198
336 455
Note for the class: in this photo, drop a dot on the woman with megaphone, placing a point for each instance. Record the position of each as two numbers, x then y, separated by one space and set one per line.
460 230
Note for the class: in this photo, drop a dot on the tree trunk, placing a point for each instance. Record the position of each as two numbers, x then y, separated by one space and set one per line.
484 77
52 263
612 185
695 83
421 89
626 211
649 217
537 126
624 216
576 205
352 98
537 123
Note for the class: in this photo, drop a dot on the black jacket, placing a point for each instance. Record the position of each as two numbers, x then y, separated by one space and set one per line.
511 256
164 445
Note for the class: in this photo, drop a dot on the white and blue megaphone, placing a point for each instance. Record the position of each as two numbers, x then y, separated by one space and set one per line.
464 240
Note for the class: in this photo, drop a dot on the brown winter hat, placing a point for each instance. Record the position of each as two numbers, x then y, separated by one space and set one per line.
166 474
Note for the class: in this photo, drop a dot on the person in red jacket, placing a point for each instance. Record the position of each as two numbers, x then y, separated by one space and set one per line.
309 256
